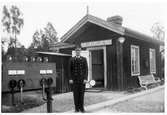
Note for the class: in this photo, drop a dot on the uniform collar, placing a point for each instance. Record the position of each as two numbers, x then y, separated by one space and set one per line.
78 56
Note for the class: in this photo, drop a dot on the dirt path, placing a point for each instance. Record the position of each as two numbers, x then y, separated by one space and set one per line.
153 102
64 102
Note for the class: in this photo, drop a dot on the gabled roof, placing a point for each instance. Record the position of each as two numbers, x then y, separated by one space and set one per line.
110 26
95 20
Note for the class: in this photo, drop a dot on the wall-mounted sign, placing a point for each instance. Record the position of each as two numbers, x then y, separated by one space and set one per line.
20 72
49 71
46 71
97 43
42 71
12 72
16 72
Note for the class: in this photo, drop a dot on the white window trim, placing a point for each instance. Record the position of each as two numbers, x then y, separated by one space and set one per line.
135 46
152 72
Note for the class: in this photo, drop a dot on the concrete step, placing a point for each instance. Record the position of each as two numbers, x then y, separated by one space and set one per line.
95 90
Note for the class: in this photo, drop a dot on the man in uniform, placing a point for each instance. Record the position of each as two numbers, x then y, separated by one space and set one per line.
78 71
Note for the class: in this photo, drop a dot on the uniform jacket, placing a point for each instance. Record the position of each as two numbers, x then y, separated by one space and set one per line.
78 69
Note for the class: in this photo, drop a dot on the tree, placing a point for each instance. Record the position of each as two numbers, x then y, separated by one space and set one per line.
50 33
17 22
43 38
6 20
158 31
3 41
36 40
12 22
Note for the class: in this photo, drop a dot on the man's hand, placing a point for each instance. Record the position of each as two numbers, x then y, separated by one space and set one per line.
85 81
71 81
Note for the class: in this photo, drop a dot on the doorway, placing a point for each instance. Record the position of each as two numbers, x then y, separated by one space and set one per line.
98 67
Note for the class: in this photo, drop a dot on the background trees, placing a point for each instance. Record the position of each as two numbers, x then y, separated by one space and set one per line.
43 38
12 22
158 31
159 34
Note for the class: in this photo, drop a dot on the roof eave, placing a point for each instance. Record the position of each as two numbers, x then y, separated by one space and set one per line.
53 53
135 34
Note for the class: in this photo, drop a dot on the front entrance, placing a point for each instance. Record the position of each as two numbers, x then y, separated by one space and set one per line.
98 67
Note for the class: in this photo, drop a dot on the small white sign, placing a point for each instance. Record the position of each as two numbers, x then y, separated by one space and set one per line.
49 71
87 85
42 71
92 82
12 72
97 43
20 72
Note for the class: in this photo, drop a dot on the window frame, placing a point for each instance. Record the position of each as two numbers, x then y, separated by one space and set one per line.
150 50
135 46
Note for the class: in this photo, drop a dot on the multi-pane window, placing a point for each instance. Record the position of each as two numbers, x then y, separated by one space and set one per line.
135 60
152 61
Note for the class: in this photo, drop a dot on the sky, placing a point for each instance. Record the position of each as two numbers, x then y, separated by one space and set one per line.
139 16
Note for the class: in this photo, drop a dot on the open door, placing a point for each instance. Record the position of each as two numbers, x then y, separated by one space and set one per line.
85 54
97 64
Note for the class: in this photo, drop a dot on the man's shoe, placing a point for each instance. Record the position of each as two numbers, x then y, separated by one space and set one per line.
76 111
82 110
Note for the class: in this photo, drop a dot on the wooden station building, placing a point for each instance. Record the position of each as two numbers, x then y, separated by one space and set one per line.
116 55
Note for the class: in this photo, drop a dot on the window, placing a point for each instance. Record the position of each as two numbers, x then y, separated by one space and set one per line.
152 61
135 60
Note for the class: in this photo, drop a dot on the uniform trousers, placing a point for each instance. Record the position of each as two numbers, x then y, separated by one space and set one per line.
78 94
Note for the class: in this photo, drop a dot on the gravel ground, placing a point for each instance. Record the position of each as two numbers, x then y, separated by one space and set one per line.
153 102
64 102
30 99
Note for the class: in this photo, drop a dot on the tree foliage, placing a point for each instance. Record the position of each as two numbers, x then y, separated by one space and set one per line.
158 31
43 38
12 22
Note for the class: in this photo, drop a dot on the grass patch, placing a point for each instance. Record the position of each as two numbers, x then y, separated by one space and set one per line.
29 102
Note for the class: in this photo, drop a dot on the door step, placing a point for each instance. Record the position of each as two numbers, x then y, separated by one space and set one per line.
95 90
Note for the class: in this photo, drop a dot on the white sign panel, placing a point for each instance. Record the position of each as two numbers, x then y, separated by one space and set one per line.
20 72
42 71
12 72
49 71
46 71
16 72
97 43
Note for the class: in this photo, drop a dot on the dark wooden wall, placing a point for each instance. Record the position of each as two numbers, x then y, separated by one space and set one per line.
62 84
111 66
132 81
95 33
